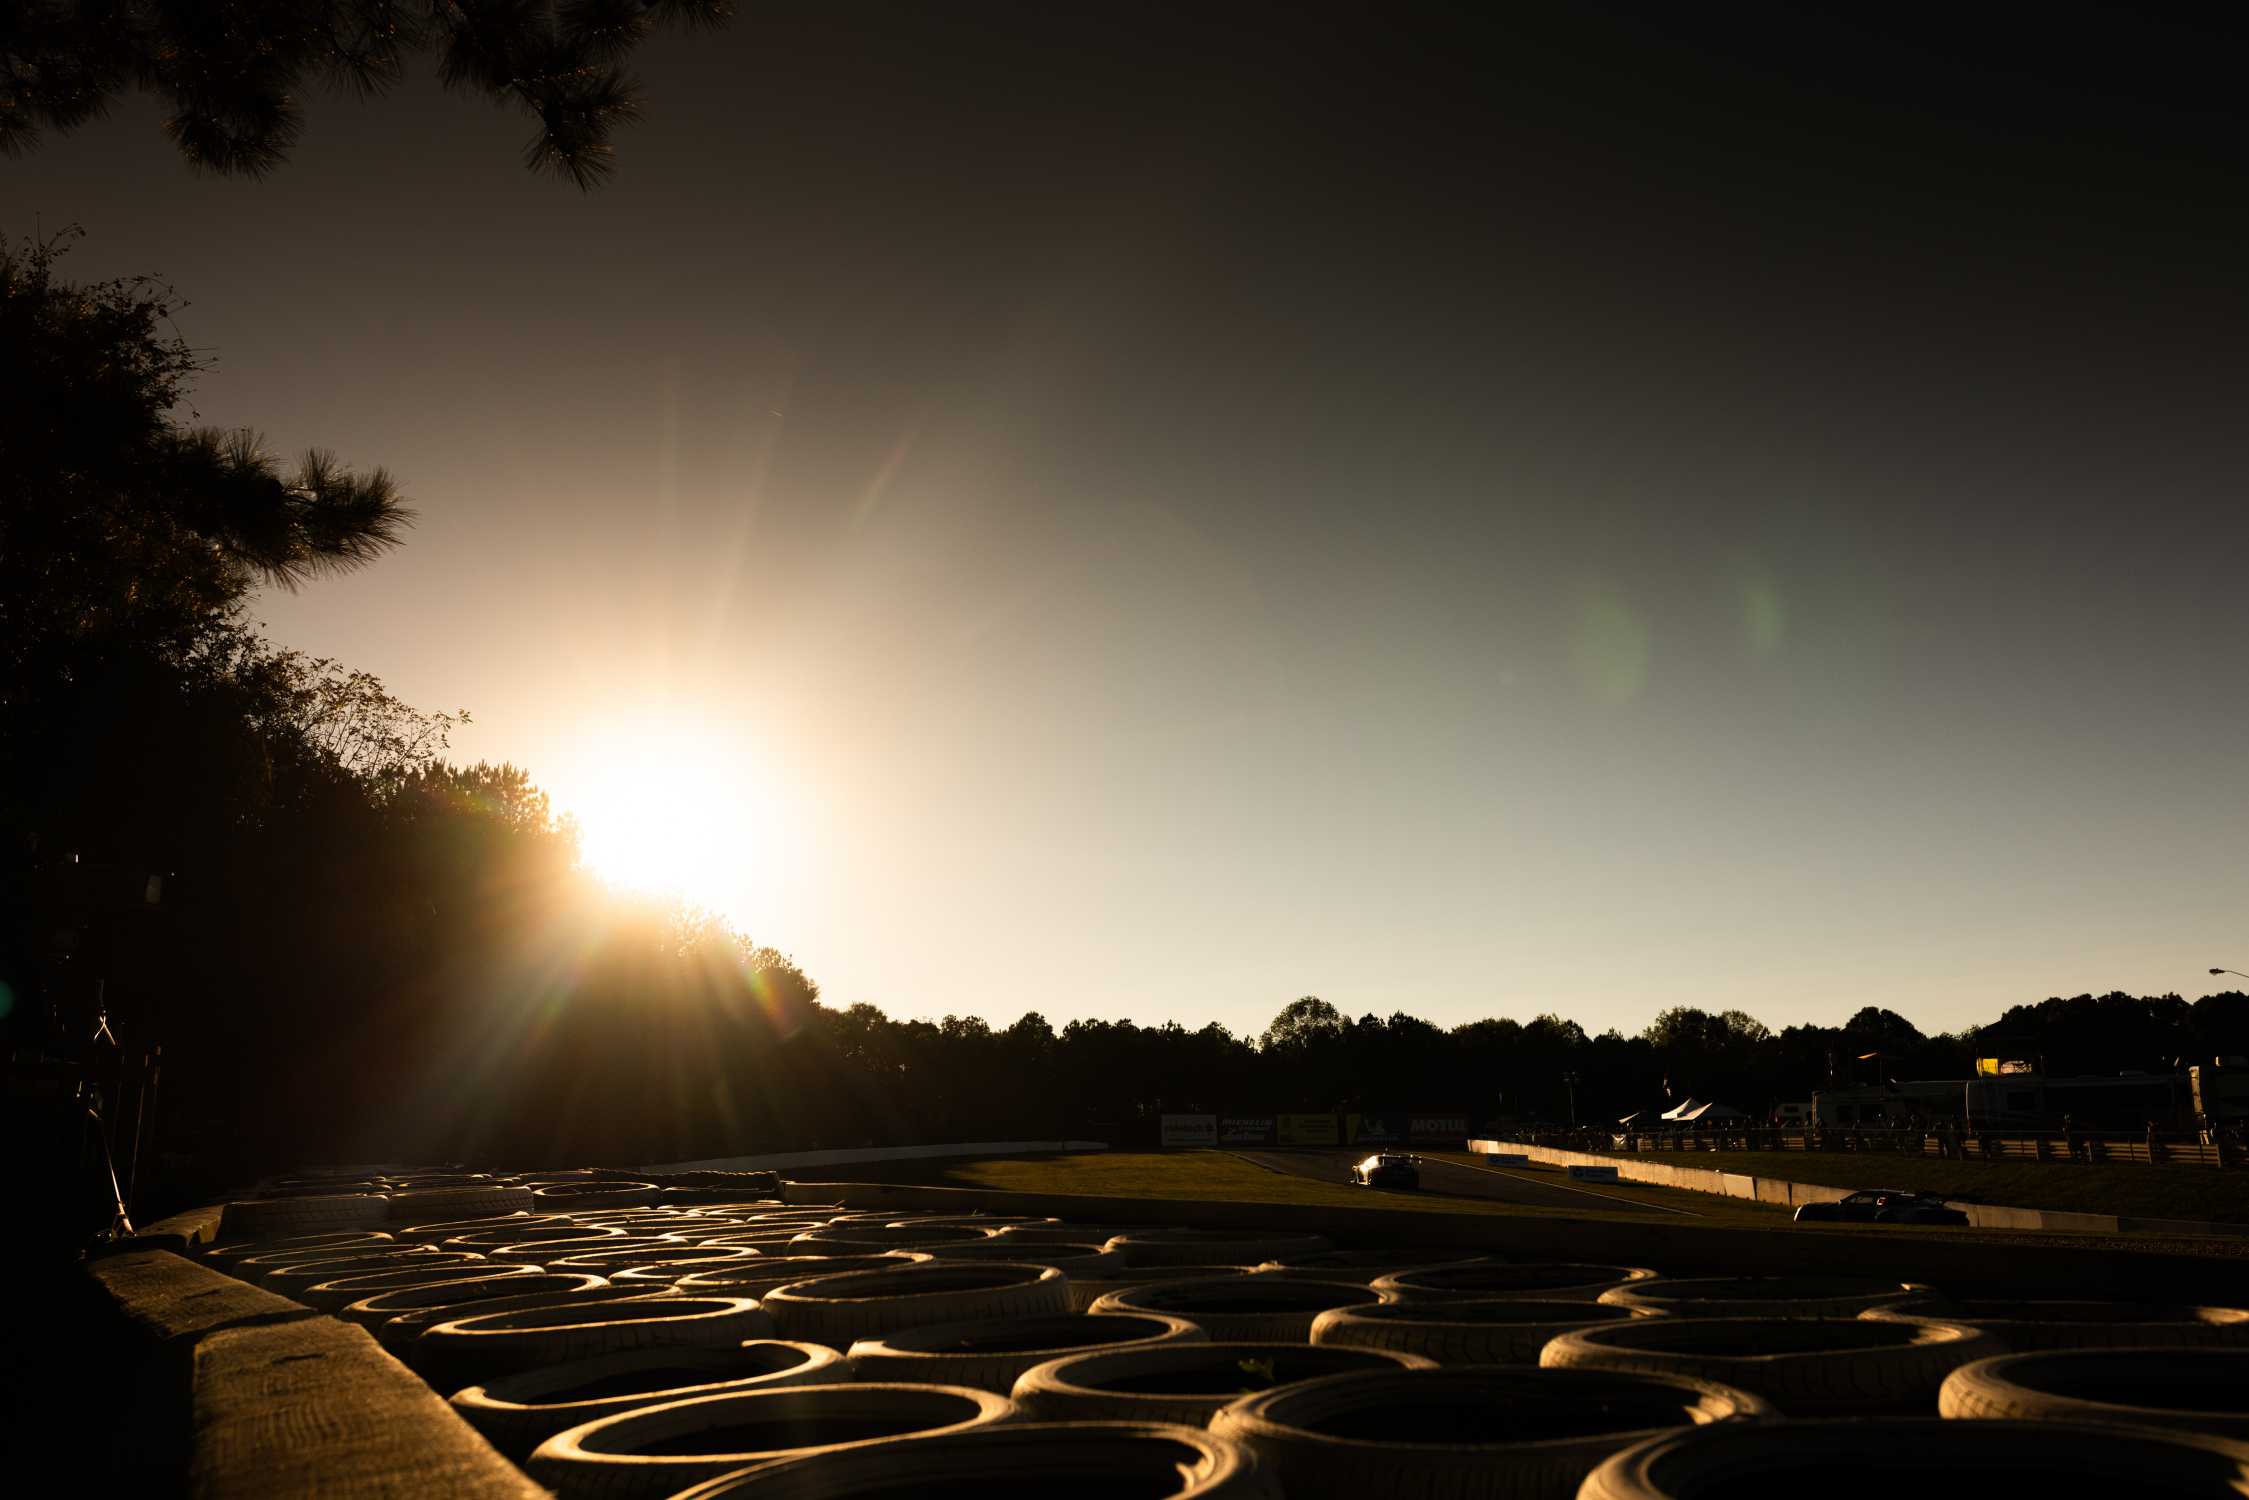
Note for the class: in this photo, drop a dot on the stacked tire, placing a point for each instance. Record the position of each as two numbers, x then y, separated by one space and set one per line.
622 1335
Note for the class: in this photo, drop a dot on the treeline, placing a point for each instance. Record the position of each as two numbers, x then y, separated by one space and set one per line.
357 950
961 1079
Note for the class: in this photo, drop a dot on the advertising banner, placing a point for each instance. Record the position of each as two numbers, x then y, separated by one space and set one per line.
1306 1130
1508 1158
1375 1130
1593 1174
1190 1130
1438 1127
1243 1130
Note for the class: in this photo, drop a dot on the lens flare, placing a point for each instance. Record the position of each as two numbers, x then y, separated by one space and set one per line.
1610 647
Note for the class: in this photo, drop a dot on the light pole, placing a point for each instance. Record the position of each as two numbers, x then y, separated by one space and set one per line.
2230 971
1569 1081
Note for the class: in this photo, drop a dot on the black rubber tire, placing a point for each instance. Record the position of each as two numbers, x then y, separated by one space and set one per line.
755 1278
1067 1233
626 1257
2196 1390
1808 1367
1922 1456
277 1218
440 1205
335 1241
256 1268
517 1413
444 1229
840 1310
372 1312
2021 1327
546 1237
1146 1460
638 1220
1071 1260
610 1458
293 1278
1202 1247
401 1335
989 1355
1253 1308
854 1237
1511 1433
569 1197
1546 1281
1084 1293
490 1343
336 1295
1759 1296
1367 1266
1191 1381
763 1241
1502 1331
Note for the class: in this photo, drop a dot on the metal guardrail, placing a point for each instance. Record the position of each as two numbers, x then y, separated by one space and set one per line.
2081 1147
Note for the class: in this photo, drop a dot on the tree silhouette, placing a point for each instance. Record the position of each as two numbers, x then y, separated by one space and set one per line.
128 542
1304 1022
120 526
230 72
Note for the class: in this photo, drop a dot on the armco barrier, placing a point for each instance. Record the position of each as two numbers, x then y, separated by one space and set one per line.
1785 1193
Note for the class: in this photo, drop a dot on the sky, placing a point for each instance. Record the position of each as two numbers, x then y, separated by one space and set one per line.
1123 514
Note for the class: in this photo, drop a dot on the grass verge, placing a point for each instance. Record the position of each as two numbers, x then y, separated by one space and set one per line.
1218 1176
1192 1175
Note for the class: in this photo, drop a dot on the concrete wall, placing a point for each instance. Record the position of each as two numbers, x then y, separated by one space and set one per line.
1778 1190
194 1383
786 1159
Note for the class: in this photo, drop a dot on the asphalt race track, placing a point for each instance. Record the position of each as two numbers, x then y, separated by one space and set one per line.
1444 1179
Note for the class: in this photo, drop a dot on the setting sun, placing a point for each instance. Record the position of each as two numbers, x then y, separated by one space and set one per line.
692 814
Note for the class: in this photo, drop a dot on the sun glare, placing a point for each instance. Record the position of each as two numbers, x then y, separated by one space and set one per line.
687 815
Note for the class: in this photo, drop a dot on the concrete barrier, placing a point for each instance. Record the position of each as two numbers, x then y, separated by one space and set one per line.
857 1154
1786 1193
150 1310
318 1408
190 1381
182 1233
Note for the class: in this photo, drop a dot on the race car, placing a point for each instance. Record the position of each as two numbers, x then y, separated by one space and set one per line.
1882 1206
1385 1170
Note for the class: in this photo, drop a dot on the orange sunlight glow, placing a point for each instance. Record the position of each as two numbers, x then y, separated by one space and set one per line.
690 814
